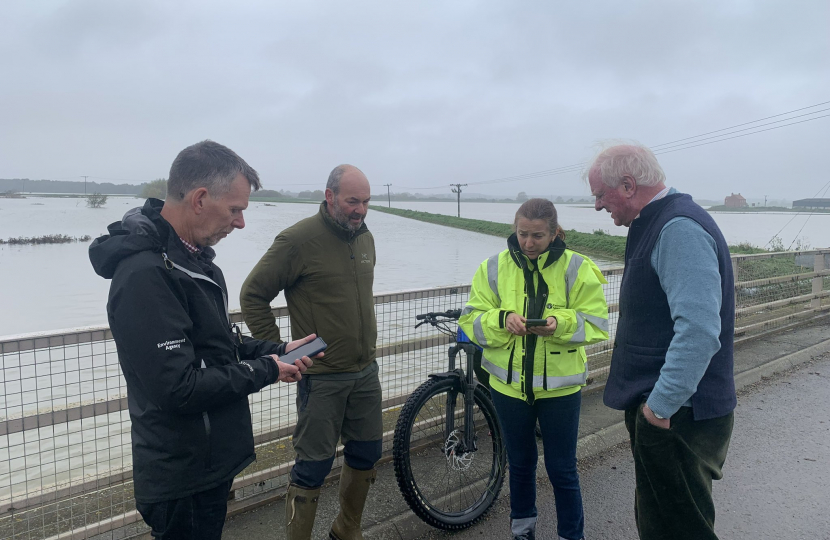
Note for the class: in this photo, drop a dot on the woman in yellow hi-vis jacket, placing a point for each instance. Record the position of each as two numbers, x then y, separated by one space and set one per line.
537 372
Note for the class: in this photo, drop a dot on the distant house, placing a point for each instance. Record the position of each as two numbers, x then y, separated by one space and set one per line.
734 201
812 204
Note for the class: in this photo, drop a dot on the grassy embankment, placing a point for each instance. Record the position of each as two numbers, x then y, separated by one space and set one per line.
597 243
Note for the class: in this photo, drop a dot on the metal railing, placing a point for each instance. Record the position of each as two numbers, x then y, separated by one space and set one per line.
65 452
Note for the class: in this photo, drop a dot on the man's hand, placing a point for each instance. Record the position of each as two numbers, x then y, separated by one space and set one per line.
664 423
294 372
515 324
546 330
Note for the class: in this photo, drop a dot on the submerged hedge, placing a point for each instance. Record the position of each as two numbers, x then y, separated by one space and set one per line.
45 239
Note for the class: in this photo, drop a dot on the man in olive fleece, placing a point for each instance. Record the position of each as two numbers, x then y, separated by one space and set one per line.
325 264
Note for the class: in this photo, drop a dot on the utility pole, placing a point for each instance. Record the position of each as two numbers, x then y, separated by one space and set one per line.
765 200
457 190
85 177
388 195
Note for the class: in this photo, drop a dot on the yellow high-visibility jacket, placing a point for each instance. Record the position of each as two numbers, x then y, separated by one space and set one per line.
560 283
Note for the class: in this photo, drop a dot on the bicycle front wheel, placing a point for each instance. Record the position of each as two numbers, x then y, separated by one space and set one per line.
447 481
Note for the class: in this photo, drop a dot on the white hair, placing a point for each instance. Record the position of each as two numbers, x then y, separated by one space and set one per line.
616 159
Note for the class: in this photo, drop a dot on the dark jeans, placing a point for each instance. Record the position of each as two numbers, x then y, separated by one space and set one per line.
559 421
200 516
674 469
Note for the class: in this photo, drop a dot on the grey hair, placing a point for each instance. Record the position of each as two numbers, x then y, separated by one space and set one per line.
617 159
333 182
209 165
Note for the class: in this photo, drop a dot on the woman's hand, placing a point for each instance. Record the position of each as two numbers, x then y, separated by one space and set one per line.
516 324
546 330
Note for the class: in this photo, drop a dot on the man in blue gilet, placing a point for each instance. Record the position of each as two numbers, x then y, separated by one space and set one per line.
671 369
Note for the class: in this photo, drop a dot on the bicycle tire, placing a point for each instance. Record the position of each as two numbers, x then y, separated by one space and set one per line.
427 475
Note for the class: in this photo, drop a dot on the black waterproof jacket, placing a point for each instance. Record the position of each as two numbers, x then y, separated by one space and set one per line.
188 375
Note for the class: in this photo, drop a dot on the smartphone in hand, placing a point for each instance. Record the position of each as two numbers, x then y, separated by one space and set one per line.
310 349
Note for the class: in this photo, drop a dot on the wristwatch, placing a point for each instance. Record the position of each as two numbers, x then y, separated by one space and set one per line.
657 416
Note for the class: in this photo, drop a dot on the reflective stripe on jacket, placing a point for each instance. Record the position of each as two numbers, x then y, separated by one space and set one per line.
571 291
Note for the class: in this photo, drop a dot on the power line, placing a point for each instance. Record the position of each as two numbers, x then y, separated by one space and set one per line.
747 123
748 129
795 216
806 220
528 176
575 167
744 135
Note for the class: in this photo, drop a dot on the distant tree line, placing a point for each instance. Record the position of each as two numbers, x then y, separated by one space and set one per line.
406 196
25 185
316 195
158 189
521 197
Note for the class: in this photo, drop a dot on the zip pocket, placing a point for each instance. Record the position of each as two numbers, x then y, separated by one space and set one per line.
206 420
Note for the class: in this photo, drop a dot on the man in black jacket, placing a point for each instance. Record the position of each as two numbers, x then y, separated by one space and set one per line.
188 369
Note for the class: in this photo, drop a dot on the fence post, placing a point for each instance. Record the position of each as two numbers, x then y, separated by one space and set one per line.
818 281
735 279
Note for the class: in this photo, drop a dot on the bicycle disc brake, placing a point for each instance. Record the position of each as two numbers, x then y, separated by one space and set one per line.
457 455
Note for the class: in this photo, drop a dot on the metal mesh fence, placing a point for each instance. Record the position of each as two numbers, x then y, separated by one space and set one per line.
775 290
65 453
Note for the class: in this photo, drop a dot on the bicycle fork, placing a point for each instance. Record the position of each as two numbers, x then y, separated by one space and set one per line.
467 383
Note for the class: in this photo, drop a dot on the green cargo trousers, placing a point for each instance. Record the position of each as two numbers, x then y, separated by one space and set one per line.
337 407
674 469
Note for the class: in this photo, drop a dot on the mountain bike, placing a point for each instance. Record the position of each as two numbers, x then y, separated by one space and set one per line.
448 449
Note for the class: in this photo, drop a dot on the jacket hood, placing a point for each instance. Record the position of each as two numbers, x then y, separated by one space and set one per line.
141 229
552 254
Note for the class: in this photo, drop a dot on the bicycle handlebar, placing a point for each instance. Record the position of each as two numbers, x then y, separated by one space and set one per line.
450 314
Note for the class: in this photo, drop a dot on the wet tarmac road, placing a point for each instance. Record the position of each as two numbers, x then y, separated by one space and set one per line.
776 479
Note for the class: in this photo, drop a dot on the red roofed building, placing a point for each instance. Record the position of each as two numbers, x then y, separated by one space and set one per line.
734 201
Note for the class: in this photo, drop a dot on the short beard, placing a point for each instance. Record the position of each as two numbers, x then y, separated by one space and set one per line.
342 218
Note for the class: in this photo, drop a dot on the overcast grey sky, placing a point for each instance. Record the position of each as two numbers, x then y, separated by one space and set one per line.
417 94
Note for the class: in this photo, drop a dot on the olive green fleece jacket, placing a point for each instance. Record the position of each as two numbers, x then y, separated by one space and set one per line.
327 273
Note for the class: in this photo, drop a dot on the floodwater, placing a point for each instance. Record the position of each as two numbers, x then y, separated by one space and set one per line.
50 287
